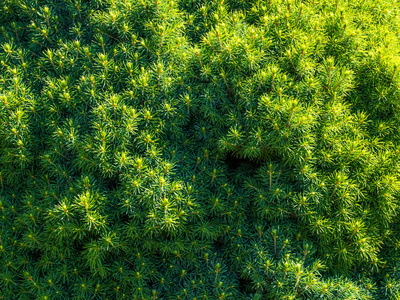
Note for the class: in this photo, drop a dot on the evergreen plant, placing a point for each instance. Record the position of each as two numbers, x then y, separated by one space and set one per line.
199 149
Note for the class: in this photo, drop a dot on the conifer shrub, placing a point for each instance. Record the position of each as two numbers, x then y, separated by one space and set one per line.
192 149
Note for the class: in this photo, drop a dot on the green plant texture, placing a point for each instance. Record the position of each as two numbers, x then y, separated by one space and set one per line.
199 149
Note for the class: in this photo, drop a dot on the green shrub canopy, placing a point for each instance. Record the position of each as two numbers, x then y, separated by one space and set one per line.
193 149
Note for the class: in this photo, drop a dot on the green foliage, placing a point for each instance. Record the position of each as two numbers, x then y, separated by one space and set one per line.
192 149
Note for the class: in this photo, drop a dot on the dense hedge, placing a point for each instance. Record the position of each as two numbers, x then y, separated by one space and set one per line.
195 149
